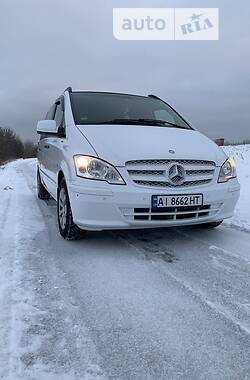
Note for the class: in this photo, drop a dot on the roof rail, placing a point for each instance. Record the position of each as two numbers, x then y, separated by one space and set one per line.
69 89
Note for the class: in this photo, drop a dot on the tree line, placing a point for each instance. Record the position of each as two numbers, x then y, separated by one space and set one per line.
12 147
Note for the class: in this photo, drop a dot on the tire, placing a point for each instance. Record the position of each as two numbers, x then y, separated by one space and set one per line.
42 193
210 225
67 228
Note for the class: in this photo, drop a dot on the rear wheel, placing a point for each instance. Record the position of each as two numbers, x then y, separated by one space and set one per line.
68 229
42 193
210 225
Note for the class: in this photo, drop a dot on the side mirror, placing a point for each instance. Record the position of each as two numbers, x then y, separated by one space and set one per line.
47 126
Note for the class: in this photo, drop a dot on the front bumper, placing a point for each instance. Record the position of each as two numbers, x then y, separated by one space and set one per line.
100 206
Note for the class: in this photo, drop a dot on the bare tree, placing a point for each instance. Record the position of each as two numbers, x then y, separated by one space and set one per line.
11 146
29 149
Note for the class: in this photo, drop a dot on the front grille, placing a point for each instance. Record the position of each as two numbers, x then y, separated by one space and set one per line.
197 172
156 173
172 213
155 162
190 213
167 184
146 172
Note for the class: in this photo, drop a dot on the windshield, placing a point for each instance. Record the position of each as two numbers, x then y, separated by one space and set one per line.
107 108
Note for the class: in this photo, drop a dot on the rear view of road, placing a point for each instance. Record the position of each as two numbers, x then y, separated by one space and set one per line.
160 304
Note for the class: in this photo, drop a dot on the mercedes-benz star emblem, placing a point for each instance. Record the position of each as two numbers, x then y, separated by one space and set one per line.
176 174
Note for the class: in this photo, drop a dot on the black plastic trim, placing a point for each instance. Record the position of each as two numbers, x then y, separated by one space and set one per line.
69 89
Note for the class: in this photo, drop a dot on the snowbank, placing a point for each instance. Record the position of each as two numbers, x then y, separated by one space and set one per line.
241 153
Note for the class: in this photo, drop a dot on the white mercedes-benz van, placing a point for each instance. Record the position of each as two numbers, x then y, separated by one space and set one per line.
118 161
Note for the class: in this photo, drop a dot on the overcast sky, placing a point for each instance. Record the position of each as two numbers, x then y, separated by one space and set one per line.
48 45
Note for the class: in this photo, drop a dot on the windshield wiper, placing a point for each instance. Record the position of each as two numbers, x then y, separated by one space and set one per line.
163 122
142 121
122 121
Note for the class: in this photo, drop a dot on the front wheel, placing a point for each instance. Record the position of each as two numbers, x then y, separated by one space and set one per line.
210 225
68 229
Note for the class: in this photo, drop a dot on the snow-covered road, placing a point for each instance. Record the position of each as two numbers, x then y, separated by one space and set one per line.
161 304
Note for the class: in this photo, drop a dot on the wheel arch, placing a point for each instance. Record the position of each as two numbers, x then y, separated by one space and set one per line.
60 177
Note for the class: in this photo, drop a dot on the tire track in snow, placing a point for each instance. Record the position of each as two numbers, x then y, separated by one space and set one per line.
4 212
65 347
150 246
8 255
208 245
157 251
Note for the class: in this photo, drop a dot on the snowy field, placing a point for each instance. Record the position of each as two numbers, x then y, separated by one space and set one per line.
147 305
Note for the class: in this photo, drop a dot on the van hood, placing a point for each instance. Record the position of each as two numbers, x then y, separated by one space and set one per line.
120 143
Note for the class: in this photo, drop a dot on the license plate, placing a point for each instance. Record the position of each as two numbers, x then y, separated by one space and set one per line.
159 201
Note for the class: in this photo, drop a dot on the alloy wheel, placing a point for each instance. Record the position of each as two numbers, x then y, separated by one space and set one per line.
62 208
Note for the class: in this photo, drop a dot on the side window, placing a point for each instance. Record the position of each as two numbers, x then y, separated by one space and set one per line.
49 116
59 115
51 113
55 113
59 118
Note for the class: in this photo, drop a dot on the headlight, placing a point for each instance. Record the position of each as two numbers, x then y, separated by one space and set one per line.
228 170
94 168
